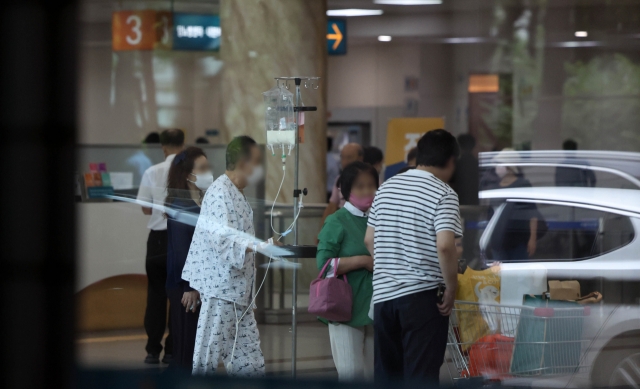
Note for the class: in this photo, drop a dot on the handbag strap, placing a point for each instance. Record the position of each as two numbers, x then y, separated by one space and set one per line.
335 271
323 269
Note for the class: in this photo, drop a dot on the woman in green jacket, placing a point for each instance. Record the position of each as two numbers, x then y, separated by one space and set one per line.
342 240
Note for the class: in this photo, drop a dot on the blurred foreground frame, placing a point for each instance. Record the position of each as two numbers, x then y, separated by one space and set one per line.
103 379
38 119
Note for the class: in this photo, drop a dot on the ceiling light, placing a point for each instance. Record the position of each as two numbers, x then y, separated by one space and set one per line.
354 12
408 2
469 39
576 44
384 38
581 34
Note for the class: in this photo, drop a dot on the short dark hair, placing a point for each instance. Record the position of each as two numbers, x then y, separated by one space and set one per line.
238 149
467 142
413 154
436 147
201 140
351 172
569 144
174 138
372 155
152 138
405 169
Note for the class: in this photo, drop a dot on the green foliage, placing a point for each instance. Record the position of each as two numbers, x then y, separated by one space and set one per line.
498 114
601 107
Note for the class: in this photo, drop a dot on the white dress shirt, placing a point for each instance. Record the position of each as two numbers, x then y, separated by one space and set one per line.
355 211
153 189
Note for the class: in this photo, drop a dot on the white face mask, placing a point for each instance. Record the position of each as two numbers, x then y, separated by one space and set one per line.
256 175
501 171
203 180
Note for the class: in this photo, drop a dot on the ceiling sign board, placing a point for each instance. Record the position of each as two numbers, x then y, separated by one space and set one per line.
196 32
337 36
140 30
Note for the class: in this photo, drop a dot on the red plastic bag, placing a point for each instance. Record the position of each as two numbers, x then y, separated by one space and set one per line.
490 356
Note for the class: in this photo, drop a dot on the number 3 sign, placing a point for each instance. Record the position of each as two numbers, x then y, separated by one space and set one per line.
133 30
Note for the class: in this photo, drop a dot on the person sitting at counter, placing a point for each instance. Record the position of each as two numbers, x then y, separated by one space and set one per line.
189 178
341 241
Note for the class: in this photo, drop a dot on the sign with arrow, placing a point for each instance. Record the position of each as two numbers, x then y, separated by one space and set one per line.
337 36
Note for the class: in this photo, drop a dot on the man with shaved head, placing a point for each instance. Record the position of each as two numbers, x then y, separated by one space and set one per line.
351 152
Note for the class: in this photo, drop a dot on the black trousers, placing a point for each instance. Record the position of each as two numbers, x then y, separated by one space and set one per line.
155 316
410 338
184 326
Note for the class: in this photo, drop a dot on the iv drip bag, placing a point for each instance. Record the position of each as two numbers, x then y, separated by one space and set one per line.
279 118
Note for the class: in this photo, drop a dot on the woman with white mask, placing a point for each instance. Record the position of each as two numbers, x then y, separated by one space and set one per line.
189 177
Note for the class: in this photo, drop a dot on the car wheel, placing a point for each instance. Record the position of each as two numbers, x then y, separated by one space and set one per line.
618 363
627 371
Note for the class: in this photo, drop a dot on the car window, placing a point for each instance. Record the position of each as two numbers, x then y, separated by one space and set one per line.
475 220
550 232
561 176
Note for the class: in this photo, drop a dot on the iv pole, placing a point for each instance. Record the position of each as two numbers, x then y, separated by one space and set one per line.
294 293
309 82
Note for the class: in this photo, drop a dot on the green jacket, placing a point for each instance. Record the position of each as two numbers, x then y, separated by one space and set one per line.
343 236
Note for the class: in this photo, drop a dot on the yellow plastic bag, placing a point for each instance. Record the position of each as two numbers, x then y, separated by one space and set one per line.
476 321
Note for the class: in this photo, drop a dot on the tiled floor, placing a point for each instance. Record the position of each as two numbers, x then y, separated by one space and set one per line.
125 350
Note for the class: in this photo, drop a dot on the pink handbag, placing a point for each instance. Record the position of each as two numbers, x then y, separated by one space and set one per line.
331 298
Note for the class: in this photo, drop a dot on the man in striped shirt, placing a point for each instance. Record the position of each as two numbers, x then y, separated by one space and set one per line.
412 227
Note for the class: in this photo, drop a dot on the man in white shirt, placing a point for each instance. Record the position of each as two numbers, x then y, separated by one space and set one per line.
221 266
153 190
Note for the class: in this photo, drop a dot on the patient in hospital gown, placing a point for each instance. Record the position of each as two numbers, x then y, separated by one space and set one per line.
221 266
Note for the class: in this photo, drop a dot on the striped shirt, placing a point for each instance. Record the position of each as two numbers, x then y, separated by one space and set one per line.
407 213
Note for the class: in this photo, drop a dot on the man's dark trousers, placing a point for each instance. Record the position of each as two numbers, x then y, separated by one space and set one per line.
410 338
155 316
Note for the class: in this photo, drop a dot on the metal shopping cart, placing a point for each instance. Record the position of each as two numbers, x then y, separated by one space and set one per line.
497 342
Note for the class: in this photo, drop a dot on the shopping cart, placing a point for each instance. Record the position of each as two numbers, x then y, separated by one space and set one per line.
496 342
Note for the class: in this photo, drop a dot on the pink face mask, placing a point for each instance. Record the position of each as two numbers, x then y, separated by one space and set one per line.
362 203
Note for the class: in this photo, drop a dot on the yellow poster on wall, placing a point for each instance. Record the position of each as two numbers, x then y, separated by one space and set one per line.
403 134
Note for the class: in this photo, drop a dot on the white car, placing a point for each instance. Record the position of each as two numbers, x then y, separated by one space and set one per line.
604 169
590 235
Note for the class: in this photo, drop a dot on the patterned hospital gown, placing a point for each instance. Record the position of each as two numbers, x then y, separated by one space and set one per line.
219 267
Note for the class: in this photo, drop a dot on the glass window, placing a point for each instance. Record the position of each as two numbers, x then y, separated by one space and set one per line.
549 232
563 177
475 219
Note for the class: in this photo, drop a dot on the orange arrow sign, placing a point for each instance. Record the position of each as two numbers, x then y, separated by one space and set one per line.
337 36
